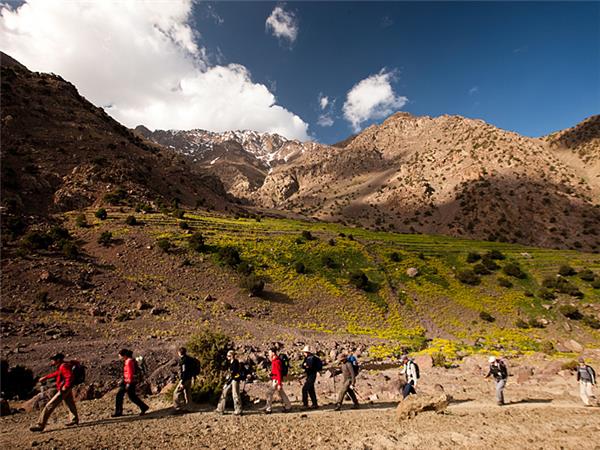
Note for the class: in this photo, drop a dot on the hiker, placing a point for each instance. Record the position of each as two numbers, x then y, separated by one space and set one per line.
312 365
278 371
349 378
128 384
64 392
500 373
188 369
232 383
410 370
587 378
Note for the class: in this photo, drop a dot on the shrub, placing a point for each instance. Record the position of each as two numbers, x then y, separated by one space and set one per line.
564 286
587 275
328 262
547 347
184 225
36 240
101 214
591 322
164 244
331 242
494 254
468 277
546 294
484 315
504 282
229 256
596 283
520 323
179 213
253 284
131 220
394 256
116 197
245 268
351 237
570 365
196 242
489 263
81 221
307 236
513 270
300 267
480 269
105 238
359 280
211 350
473 257
535 323
570 312
439 359
549 282
69 249
566 271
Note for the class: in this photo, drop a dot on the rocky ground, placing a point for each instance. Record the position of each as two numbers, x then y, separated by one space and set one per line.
543 411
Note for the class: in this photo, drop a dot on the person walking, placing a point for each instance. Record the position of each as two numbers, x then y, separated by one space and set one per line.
128 384
312 365
232 383
64 392
277 374
500 373
348 381
182 395
410 370
587 378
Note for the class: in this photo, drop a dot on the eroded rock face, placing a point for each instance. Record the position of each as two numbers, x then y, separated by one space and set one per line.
414 404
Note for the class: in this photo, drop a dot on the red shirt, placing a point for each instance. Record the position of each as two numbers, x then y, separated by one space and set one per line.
63 375
129 371
276 369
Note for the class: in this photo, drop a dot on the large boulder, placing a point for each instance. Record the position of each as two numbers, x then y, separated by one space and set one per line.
37 402
523 374
414 404
424 361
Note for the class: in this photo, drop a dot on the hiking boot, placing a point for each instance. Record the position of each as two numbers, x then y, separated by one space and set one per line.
239 414
287 410
117 415
177 412
36 428
72 423
143 411
314 407
356 406
337 407
268 411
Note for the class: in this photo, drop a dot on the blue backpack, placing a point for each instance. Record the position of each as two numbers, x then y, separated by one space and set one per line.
352 360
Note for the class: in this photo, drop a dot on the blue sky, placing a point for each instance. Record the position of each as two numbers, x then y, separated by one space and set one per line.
528 67
321 70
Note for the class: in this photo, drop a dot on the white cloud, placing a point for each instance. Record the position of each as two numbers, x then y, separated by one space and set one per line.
142 58
372 98
282 24
325 120
474 90
323 101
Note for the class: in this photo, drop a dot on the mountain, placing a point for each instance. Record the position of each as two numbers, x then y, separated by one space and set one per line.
445 175
60 152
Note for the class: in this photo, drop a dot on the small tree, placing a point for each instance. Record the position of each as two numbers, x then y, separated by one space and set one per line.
513 270
253 284
468 277
105 238
131 220
566 271
196 242
101 214
473 257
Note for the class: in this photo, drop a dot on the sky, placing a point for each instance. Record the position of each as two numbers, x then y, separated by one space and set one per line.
316 70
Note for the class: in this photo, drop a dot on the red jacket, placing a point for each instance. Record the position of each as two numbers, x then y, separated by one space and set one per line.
129 371
63 375
276 369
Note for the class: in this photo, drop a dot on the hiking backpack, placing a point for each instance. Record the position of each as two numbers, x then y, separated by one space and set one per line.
78 370
417 371
285 364
352 360
194 366
141 369
317 363
247 372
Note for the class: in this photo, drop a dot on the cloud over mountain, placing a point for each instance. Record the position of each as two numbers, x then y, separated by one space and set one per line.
282 24
142 62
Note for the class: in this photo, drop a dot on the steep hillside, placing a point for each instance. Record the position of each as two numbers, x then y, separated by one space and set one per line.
60 152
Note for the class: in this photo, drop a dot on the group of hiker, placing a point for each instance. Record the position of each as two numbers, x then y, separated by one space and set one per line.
69 374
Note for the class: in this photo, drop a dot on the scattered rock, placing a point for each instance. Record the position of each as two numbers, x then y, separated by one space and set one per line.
209 298
414 404
567 326
157 311
37 402
574 346
142 305
412 272
46 277
523 374
4 408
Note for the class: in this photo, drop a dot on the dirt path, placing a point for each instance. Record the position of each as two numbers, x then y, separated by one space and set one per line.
469 424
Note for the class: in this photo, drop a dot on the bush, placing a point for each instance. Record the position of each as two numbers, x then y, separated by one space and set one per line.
164 244
105 238
534 323
36 240
591 322
300 267
513 270
101 214
480 269
328 262
494 254
504 282
307 236
359 280
587 275
547 347
179 213
211 350
570 365
468 277
184 225
245 268
229 256
196 242
564 286
395 257
69 249
484 315
81 221
116 197
570 312
439 360
596 283
520 323
546 294
489 263
566 270
331 242
131 220
253 284
473 257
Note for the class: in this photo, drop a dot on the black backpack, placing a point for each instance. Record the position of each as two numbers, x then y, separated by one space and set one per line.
78 371
417 371
194 366
317 363
285 364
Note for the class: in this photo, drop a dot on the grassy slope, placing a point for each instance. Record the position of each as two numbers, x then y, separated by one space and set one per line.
400 309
